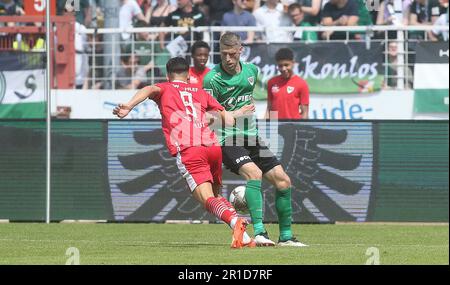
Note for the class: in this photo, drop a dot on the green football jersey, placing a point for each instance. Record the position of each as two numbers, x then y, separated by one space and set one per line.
234 92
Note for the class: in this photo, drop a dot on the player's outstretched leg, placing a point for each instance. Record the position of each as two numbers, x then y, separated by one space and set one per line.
247 240
283 203
204 194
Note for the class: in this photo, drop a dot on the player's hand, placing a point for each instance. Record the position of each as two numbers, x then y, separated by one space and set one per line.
245 111
121 110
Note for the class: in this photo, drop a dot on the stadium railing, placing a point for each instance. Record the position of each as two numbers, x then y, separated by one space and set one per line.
106 47
103 48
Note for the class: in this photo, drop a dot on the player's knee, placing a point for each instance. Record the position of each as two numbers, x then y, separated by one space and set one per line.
283 182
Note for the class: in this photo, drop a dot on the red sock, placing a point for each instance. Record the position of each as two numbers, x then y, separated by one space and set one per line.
219 209
230 207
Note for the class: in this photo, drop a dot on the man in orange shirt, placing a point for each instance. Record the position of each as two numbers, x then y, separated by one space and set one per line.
200 56
288 94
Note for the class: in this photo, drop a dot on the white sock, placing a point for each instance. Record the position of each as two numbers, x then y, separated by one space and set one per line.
246 238
233 222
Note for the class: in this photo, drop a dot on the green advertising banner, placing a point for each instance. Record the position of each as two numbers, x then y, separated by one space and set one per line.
329 68
431 78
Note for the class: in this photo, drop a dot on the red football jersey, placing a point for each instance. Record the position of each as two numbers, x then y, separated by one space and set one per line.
197 78
286 95
183 109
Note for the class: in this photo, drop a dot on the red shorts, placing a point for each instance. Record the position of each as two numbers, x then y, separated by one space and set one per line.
200 164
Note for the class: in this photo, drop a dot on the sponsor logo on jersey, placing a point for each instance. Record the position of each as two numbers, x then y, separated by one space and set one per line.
290 89
232 101
193 80
275 89
251 80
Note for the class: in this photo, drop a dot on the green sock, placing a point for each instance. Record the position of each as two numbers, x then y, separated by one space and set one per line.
254 199
284 211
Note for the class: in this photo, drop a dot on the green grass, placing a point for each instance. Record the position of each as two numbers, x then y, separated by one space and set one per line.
209 244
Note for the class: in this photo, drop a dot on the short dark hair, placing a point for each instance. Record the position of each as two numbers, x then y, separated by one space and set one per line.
284 54
294 6
199 44
177 65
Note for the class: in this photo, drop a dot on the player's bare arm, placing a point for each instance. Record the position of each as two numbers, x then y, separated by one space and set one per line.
304 111
122 110
229 118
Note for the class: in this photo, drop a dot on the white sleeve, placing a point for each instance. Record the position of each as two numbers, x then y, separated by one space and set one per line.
441 21
136 9
258 15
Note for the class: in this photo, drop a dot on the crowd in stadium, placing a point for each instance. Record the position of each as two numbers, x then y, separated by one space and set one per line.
246 13
266 13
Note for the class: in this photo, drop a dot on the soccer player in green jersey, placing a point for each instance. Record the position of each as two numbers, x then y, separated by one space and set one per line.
232 83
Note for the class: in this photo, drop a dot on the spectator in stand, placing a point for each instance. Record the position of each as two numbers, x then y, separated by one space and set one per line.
272 15
424 13
240 17
311 9
386 13
339 13
393 66
252 5
386 16
288 94
146 8
128 11
200 56
160 12
10 8
84 16
442 21
143 48
187 15
295 11
130 75
215 9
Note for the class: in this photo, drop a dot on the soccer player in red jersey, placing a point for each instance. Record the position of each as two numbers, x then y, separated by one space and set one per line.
200 55
288 94
183 109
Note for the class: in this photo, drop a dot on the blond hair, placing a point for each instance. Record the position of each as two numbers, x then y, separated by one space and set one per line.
231 40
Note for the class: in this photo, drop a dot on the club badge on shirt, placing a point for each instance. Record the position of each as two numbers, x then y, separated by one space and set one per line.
290 89
251 80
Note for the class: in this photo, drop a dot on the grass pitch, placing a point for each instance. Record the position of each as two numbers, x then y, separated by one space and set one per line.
168 244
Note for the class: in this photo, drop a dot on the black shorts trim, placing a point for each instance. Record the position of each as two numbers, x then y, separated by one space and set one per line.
234 157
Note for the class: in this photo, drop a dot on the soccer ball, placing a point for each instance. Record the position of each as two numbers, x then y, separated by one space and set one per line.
237 199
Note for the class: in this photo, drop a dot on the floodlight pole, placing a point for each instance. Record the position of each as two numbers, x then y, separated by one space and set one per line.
48 94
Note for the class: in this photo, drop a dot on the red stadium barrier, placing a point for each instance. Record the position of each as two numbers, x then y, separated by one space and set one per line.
27 34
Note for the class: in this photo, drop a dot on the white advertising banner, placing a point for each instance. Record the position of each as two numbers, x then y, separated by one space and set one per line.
385 105
22 94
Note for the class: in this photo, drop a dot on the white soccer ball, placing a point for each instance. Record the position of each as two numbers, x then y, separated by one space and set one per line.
237 199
